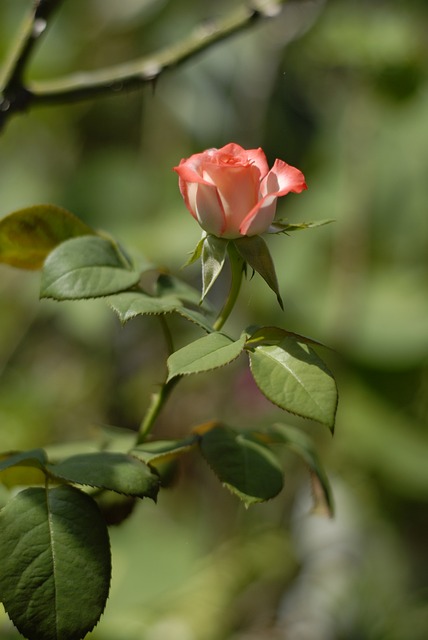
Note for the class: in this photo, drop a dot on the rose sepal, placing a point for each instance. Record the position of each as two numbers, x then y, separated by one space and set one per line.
255 253
281 226
213 256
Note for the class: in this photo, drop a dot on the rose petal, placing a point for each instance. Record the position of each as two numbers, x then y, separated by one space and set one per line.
260 218
207 207
283 179
258 158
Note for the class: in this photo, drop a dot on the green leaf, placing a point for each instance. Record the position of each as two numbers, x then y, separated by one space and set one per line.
291 375
86 267
280 226
107 470
163 450
129 304
55 568
255 252
247 468
299 442
214 251
210 352
27 236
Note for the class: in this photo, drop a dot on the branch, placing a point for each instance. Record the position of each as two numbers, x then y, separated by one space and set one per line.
13 94
129 76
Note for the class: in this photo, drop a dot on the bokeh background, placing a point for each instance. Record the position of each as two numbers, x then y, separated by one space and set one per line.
340 89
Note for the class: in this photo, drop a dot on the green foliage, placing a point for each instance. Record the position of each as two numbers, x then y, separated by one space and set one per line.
56 566
27 236
290 374
210 352
108 470
86 267
249 469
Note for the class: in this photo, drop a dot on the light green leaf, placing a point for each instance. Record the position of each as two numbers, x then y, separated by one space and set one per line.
299 442
255 252
27 236
210 352
86 267
214 251
163 450
280 226
291 375
247 468
107 470
56 566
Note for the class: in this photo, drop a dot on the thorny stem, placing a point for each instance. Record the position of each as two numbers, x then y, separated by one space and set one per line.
16 96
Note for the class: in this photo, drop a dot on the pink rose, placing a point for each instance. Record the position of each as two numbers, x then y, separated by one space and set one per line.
231 192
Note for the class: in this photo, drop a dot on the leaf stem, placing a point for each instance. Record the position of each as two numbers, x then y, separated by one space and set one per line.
156 404
237 271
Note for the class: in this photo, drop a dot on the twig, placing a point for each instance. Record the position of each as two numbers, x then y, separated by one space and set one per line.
16 96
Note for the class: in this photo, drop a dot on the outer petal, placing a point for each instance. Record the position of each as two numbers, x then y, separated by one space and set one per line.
282 179
204 204
238 190
258 159
260 217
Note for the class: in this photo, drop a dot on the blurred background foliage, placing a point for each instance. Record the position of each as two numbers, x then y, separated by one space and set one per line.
340 89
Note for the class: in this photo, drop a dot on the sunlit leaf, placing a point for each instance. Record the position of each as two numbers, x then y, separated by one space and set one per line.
55 568
291 375
210 352
27 236
86 267
247 468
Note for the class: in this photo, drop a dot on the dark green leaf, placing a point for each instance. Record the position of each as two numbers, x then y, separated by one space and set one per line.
86 267
27 236
249 469
107 470
255 252
293 376
210 352
55 568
